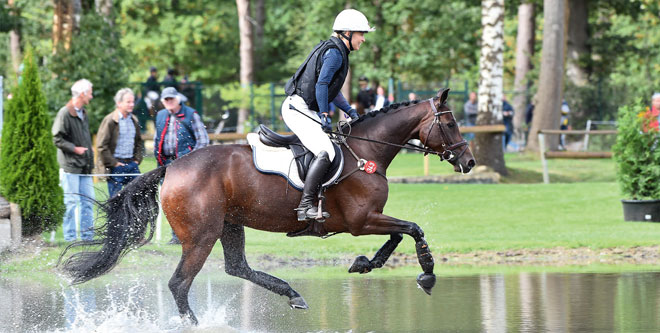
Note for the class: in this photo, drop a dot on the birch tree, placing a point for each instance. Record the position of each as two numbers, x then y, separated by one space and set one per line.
488 147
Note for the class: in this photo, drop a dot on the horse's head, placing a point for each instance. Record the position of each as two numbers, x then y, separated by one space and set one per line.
440 132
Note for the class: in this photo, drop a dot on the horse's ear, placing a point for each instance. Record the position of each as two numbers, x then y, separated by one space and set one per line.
443 94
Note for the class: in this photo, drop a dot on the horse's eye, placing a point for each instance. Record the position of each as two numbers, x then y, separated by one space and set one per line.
451 125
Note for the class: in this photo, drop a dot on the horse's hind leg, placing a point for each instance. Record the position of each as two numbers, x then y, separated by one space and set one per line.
193 257
363 265
233 243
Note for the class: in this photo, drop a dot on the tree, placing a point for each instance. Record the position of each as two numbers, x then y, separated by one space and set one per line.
488 147
546 111
524 54
246 55
97 55
28 164
14 38
577 48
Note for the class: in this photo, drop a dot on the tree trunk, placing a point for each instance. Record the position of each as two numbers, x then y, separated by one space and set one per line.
260 17
524 53
577 48
104 8
66 18
15 45
547 110
246 54
488 147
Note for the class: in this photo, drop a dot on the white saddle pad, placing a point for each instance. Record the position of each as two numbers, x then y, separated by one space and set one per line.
279 161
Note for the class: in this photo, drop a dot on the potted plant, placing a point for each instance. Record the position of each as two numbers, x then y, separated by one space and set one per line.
637 158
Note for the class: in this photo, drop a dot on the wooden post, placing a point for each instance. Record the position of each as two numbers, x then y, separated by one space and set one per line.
426 165
544 162
15 223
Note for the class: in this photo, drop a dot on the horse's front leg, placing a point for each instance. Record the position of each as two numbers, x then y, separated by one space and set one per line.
363 265
379 224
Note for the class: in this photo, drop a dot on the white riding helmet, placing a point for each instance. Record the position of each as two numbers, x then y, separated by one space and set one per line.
351 20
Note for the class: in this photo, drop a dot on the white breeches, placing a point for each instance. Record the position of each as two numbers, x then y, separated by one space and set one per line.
310 132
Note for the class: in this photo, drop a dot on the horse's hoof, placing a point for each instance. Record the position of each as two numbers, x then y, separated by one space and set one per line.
361 265
190 317
426 281
298 303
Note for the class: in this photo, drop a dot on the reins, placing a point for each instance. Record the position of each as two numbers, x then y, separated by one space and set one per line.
447 153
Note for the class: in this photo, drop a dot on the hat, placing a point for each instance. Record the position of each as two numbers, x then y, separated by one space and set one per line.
363 78
153 69
656 95
169 92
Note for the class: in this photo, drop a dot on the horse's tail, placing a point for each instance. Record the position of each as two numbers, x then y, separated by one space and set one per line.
127 216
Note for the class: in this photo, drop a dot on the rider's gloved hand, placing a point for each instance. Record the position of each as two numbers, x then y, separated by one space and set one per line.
353 114
326 123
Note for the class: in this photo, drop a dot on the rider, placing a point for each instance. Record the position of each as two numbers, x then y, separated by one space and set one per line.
310 89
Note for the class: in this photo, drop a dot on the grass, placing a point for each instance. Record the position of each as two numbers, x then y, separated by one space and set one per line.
581 211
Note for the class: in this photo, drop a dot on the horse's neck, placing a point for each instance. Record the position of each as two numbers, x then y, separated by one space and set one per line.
396 126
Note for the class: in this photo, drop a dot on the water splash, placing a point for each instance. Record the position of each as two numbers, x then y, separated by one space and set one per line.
127 312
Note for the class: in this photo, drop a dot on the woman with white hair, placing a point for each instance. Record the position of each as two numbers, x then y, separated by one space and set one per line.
316 83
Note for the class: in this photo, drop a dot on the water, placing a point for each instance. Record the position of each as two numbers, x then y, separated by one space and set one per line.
520 302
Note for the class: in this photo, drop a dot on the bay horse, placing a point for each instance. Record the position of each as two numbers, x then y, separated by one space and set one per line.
215 192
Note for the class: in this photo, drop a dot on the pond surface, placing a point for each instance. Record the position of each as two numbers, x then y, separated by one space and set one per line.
517 302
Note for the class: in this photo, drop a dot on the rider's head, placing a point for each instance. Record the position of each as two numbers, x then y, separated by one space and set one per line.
351 26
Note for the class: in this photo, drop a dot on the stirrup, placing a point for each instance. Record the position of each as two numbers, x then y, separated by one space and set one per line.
311 213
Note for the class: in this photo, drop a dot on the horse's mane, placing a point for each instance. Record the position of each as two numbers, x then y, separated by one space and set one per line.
393 106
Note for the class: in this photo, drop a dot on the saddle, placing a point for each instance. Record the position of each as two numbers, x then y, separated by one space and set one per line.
274 153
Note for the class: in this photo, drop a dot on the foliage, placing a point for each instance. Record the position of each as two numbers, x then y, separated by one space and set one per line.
636 154
28 163
198 38
623 62
96 55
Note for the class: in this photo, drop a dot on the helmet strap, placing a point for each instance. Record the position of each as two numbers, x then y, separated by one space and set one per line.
349 38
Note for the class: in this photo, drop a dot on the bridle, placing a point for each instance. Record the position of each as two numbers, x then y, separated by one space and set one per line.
447 152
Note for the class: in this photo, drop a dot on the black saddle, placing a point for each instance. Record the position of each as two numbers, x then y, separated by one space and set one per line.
301 154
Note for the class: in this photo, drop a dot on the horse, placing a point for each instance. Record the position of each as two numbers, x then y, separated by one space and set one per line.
215 192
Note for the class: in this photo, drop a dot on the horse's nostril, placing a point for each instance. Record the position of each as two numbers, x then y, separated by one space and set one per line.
471 163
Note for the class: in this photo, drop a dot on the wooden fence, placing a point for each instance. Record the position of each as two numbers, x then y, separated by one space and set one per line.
545 155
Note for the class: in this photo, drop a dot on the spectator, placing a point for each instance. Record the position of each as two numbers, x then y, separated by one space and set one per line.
187 91
76 158
366 98
179 130
170 79
507 119
470 109
118 142
563 124
152 81
412 96
655 103
529 115
381 100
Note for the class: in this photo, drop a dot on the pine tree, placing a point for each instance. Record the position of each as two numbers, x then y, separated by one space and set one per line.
28 161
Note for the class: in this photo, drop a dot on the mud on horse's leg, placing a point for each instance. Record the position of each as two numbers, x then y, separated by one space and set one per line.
233 244
363 265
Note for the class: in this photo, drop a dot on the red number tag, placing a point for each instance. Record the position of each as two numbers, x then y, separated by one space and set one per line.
370 167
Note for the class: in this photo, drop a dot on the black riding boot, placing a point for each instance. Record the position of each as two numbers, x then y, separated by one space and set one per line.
317 170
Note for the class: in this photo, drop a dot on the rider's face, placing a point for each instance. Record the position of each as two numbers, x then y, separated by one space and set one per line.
357 40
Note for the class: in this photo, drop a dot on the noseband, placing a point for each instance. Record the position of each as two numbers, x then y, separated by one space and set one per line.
447 151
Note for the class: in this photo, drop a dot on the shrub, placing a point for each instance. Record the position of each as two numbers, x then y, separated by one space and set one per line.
28 161
636 152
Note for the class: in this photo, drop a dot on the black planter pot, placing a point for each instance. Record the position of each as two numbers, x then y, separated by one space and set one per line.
641 210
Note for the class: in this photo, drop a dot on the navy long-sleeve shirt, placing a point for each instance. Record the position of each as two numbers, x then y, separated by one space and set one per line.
331 62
